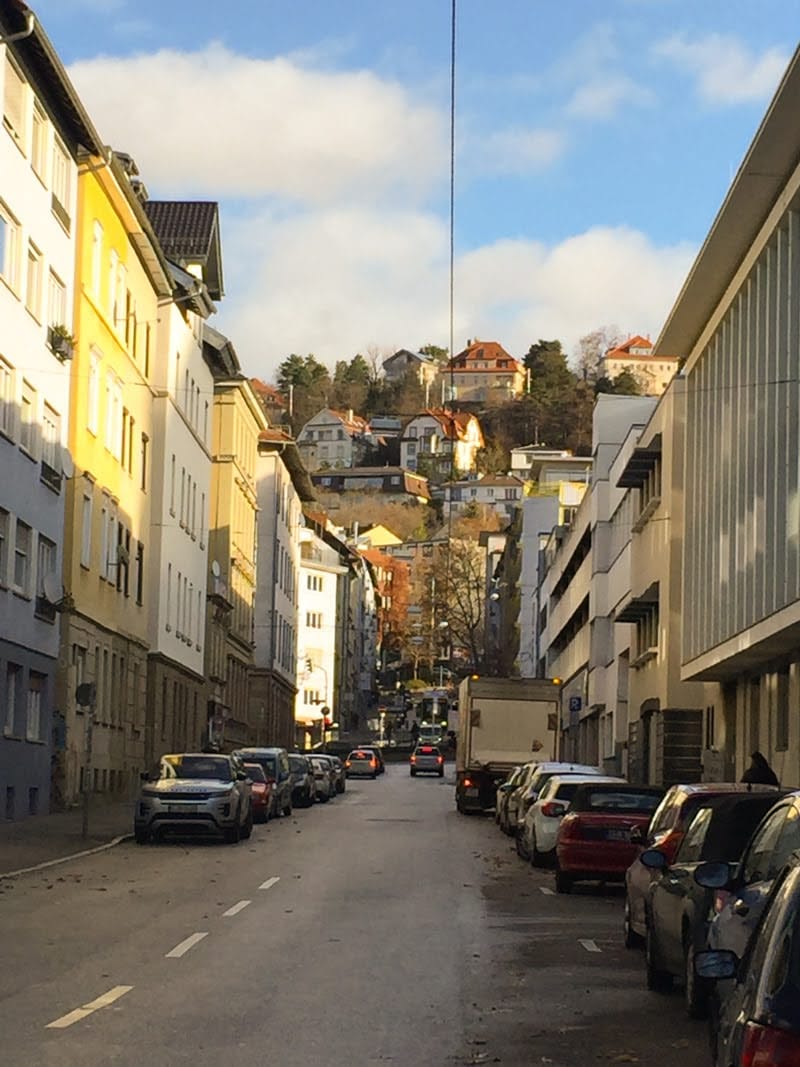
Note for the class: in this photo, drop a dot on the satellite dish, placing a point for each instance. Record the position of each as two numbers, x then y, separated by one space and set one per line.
51 587
67 466
216 570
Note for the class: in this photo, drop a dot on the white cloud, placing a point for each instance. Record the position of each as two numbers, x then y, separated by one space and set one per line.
727 71
603 96
516 150
217 123
335 282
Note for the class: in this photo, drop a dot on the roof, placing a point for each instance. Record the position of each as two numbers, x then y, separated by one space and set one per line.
277 441
354 424
623 351
770 160
268 393
220 353
188 231
484 351
452 423
488 481
420 357
413 484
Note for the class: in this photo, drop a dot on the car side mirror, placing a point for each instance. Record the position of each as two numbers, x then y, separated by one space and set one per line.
713 875
653 859
716 964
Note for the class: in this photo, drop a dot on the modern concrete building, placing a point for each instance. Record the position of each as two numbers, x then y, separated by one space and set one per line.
43 133
546 466
735 324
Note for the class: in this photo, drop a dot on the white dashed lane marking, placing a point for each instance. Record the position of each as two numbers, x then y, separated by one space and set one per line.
184 946
94 1005
270 882
546 890
589 945
235 909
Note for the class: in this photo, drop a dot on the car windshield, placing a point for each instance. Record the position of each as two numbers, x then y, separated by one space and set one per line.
620 800
255 772
298 766
196 767
566 791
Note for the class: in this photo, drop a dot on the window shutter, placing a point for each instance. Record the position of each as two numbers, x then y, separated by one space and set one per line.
14 100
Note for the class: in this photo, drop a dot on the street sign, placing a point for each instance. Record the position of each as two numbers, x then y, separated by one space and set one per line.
575 703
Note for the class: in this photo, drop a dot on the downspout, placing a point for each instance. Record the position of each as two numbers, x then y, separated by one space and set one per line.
20 35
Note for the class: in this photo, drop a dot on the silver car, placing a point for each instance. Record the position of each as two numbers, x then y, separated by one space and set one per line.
426 759
195 793
324 782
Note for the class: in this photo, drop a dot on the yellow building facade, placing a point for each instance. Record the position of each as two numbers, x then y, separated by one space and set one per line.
121 277
238 420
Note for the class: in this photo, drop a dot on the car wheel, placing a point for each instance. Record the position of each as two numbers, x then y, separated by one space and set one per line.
234 834
374 777
519 842
247 829
413 773
538 859
631 938
441 773
141 837
323 798
563 882
658 980
695 989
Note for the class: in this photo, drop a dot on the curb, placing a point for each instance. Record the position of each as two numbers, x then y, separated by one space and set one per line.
65 859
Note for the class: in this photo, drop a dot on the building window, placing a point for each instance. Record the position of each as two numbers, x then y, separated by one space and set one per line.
93 393
113 414
39 141
172 487
33 710
27 421
45 563
97 258
60 201
33 284
51 437
782 712
14 102
139 572
9 248
23 541
6 399
87 511
113 276
4 527
13 680
56 300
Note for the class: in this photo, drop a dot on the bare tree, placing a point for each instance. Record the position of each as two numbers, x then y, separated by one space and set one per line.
591 349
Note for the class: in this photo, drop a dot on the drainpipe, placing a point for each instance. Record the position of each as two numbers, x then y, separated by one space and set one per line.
20 35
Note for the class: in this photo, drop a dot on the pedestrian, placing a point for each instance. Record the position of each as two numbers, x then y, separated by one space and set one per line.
759 772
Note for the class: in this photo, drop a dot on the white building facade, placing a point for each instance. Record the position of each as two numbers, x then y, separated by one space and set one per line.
38 184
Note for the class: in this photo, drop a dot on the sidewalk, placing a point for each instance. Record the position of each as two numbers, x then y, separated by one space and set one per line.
42 838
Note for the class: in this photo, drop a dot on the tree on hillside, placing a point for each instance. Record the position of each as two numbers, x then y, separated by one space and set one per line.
441 355
351 384
493 458
625 384
307 382
456 593
591 349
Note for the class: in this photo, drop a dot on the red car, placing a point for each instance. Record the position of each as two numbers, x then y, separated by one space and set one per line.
261 792
594 839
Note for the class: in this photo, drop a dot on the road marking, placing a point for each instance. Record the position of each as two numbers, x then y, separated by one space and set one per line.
546 890
87 1009
184 946
270 882
235 909
589 945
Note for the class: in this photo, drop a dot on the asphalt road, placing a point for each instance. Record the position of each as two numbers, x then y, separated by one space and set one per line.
380 928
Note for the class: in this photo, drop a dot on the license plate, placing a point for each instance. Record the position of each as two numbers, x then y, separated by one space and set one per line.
473 792
188 808
618 835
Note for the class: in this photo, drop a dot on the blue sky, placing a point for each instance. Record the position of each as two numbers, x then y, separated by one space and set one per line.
596 141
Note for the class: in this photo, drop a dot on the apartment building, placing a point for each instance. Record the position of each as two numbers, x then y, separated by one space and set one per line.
44 131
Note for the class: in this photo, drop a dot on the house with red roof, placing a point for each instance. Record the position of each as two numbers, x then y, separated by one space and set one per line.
439 442
334 438
653 373
485 371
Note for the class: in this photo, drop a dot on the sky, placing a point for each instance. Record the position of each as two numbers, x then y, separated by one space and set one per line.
595 142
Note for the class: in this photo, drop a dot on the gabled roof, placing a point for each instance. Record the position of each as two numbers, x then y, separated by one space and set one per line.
623 351
219 353
188 231
419 357
484 352
454 424
354 424
268 393
493 481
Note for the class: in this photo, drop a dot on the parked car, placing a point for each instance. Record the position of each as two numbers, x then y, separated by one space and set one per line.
324 785
514 799
361 763
678 907
594 838
275 762
376 752
539 776
759 1024
502 794
665 832
261 791
195 793
339 777
426 759
302 772
536 841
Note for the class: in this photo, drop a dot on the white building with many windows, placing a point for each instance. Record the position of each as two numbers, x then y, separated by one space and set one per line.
42 128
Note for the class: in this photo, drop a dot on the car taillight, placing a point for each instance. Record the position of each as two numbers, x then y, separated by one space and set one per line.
467 781
570 827
413 759
551 809
766 1046
440 759
373 762
347 763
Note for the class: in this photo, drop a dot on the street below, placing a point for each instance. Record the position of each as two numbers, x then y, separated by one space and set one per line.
380 928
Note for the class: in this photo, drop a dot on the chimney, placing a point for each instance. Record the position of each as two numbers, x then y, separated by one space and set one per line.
349 414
